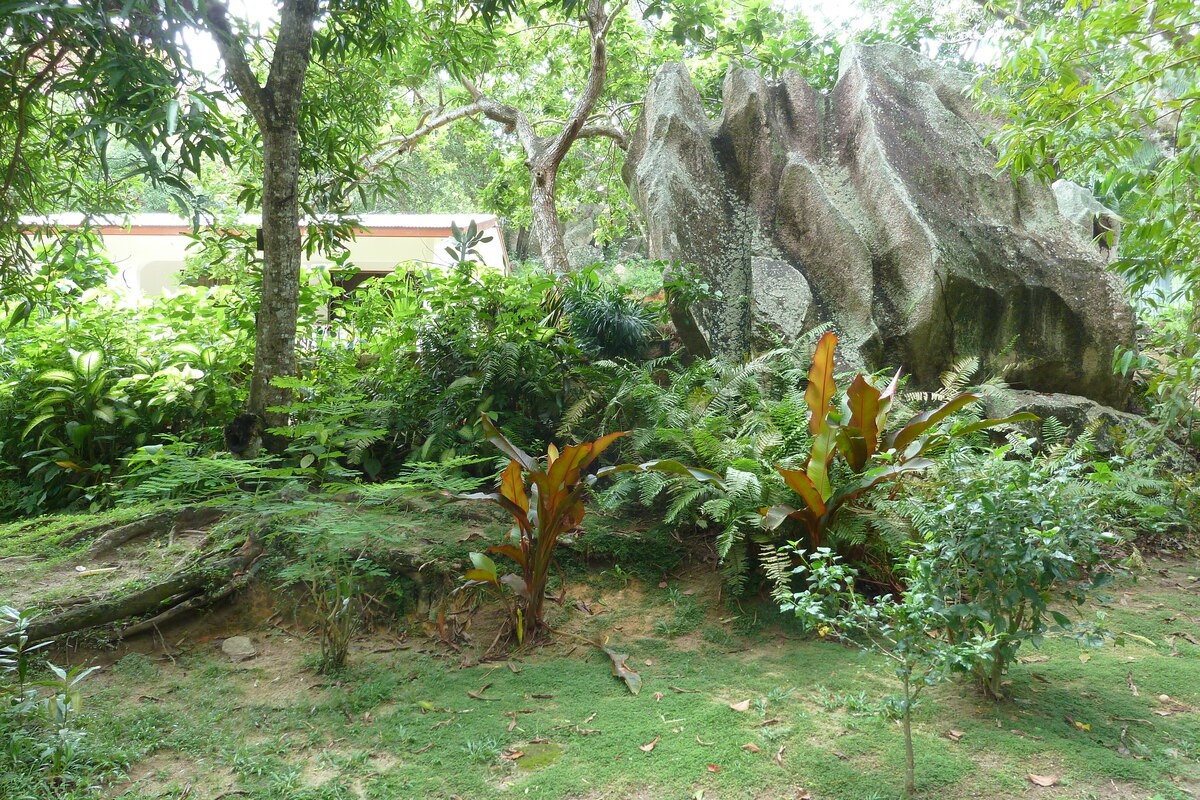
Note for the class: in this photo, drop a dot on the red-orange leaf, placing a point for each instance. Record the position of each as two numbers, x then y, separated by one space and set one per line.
512 486
864 412
801 484
821 387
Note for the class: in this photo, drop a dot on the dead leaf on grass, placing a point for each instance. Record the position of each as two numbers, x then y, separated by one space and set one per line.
512 726
479 695
622 670
1129 680
646 748
1188 636
713 768
954 736
704 744
751 747
742 706
424 749
1043 780
779 754
658 696
683 691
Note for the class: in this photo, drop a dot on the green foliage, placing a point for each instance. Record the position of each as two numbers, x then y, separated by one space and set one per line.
83 390
38 727
188 472
910 631
1104 94
1166 369
323 431
605 322
1012 546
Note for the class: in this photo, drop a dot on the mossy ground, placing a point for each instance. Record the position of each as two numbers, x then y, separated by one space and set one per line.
170 717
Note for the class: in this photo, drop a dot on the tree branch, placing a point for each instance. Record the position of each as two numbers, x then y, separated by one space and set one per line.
293 51
237 67
399 145
599 24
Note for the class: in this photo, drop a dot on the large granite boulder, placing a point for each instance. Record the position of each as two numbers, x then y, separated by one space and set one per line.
878 208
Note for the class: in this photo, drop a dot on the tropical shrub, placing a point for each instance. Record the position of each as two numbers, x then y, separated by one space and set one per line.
79 394
552 505
909 631
856 432
1014 545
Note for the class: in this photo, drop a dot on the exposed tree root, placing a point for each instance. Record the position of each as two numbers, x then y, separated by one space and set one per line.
194 603
172 522
183 591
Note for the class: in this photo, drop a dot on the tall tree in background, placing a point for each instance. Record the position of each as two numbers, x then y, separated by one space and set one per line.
275 106
303 168
556 84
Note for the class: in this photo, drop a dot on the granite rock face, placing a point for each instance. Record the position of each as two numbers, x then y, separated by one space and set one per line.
878 208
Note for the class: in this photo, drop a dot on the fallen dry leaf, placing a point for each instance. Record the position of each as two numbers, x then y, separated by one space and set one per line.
514 669
591 717
839 754
621 670
1083 726
424 749
704 744
586 731
1186 635
542 696
683 691
779 755
658 696
1043 780
479 695
803 795
742 706
1129 680
512 726
751 747
954 736
713 768
514 755
766 722
646 748
1085 657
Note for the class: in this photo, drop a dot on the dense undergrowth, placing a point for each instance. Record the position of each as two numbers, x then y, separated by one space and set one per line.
899 521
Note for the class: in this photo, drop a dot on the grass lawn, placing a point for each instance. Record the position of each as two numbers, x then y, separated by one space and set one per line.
172 717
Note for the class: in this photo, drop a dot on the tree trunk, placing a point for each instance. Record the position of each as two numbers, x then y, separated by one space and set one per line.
275 106
275 329
910 767
547 230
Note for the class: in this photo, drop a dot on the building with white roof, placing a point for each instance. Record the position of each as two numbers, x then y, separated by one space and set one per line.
150 249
